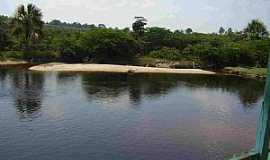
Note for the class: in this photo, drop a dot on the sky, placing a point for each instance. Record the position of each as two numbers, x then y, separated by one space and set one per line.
200 15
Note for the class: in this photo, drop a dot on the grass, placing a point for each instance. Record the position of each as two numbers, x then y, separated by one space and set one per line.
252 72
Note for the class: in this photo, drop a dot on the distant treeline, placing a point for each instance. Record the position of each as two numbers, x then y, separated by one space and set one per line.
22 38
77 25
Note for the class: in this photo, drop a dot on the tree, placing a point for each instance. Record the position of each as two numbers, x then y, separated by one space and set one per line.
138 26
108 45
4 38
189 31
156 37
179 31
256 30
126 30
221 30
27 23
229 31
55 22
101 26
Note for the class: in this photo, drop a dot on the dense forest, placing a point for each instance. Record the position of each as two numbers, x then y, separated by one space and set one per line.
26 36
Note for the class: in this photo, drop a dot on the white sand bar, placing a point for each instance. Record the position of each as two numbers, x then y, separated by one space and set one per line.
60 67
11 63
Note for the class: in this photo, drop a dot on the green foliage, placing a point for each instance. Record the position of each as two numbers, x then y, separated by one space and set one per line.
138 26
244 53
221 30
75 42
5 39
256 30
27 23
229 32
75 25
167 53
189 30
108 45
251 72
3 20
42 56
30 55
157 37
12 54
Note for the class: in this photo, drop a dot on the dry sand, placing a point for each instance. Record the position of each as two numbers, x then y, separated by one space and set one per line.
60 67
12 63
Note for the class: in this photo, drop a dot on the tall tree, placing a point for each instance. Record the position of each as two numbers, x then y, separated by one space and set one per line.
189 30
4 38
101 26
221 30
138 26
229 31
256 30
27 23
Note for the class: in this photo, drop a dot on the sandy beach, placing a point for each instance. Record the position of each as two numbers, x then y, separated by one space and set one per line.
61 67
12 63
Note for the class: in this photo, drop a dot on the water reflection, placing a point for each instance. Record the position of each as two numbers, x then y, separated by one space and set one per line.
3 74
66 78
248 90
95 115
27 88
112 86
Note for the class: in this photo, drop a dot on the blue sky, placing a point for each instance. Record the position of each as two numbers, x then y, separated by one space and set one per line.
200 15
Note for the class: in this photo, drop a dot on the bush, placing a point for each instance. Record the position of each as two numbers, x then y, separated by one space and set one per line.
41 56
33 56
167 53
12 54
108 45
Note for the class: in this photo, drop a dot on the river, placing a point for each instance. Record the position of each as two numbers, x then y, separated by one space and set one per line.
82 116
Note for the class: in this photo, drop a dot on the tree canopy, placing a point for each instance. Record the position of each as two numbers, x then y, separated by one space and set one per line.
189 30
256 30
138 26
221 30
27 23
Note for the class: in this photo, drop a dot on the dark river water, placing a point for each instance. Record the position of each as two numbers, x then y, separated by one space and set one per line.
84 116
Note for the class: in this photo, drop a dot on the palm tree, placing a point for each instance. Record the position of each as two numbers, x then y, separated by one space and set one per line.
27 23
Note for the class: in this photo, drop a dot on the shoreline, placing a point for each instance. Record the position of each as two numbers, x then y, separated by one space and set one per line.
110 68
247 72
12 63
129 69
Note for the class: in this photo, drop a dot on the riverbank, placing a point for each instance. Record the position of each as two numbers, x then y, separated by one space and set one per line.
12 63
62 67
254 73
251 72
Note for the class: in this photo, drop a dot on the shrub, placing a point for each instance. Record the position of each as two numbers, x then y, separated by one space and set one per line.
12 54
167 53
108 45
34 55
